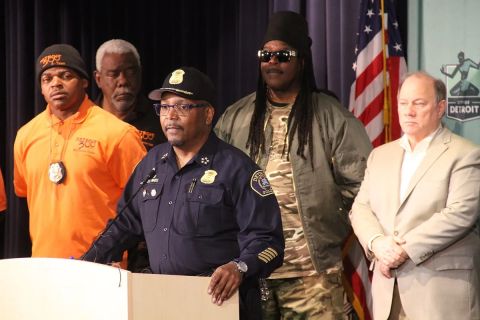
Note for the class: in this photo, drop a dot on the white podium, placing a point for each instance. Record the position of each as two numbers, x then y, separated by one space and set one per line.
46 288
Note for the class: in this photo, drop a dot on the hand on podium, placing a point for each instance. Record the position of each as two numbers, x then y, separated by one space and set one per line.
224 283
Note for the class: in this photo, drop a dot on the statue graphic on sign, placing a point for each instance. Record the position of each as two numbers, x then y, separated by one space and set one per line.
463 87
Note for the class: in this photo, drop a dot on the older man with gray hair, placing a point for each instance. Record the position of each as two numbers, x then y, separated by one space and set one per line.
119 76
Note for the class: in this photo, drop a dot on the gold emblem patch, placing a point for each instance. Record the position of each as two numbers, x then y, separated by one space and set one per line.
208 177
177 77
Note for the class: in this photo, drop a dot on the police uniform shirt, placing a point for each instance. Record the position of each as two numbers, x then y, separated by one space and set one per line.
216 208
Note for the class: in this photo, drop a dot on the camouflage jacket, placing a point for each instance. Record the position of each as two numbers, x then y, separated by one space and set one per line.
326 185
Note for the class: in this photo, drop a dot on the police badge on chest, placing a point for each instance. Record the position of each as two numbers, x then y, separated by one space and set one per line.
57 172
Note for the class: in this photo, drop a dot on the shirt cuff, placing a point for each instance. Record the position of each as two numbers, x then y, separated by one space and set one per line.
369 245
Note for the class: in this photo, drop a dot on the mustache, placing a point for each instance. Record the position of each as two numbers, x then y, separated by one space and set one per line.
273 70
123 92
172 125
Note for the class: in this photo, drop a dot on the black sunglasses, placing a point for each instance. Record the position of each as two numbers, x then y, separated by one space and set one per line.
281 55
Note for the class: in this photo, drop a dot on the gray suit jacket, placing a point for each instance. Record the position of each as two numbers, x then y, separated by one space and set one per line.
437 219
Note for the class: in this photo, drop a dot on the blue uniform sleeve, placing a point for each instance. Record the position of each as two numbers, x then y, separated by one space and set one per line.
260 238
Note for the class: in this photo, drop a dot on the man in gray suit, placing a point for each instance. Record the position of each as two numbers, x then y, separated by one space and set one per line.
416 211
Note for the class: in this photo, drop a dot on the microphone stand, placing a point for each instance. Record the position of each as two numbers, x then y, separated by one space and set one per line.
149 176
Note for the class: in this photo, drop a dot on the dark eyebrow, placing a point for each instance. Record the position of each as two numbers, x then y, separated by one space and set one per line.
47 73
271 50
178 103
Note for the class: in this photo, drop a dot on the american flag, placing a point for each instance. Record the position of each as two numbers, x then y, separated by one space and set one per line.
379 65
357 278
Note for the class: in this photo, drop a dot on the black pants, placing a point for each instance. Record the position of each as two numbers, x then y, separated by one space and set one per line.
250 304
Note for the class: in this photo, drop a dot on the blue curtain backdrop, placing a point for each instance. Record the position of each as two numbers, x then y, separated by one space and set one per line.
220 37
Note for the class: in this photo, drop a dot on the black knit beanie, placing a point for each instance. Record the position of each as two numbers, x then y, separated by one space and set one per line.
61 55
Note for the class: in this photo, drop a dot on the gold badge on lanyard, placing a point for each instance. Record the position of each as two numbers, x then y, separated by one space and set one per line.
208 177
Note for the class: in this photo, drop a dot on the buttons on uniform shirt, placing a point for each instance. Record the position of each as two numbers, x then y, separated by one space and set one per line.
165 229
170 202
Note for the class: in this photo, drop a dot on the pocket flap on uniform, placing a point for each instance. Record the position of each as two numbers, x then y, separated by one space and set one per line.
206 195
153 188
151 192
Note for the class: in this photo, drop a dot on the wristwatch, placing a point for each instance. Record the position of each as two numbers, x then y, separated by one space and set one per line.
241 266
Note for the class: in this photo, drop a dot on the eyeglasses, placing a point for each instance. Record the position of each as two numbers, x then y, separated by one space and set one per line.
282 55
181 109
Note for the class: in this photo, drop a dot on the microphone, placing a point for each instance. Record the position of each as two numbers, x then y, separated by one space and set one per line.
149 176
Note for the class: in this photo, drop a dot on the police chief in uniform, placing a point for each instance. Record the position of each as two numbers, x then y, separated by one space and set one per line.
204 207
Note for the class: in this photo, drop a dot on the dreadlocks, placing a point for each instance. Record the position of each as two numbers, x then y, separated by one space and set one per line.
300 119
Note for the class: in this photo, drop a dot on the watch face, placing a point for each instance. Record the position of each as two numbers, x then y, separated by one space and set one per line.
242 266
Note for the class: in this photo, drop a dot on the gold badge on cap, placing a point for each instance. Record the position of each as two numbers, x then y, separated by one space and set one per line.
177 77
208 177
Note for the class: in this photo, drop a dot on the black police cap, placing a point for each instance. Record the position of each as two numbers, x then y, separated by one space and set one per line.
189 83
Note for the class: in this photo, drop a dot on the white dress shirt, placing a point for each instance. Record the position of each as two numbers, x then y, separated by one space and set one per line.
412 159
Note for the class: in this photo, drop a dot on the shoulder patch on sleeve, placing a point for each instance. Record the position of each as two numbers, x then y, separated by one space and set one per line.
259 183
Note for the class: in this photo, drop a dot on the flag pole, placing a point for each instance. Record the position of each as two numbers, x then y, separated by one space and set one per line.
386 98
